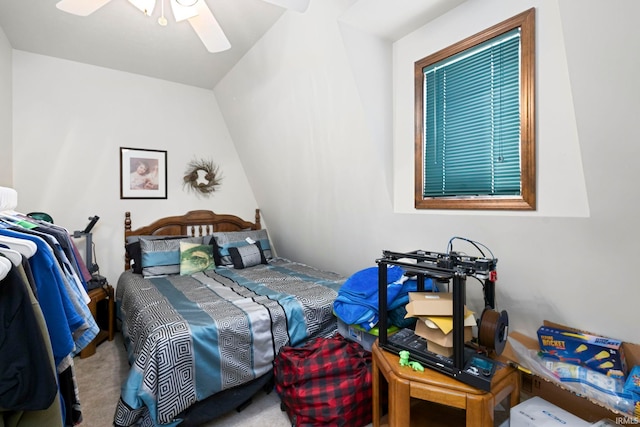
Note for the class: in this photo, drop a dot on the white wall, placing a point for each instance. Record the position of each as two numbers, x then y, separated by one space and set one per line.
317 131
555 115
69 122
318 114
6 152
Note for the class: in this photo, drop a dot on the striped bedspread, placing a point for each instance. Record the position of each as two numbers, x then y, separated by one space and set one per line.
189 337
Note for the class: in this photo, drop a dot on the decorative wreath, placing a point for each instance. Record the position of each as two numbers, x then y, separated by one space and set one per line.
202 176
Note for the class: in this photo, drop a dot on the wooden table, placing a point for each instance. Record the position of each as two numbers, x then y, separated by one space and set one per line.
97 295
403 383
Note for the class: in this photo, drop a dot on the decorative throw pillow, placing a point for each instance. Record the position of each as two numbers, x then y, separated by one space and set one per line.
195 258
247 256
235 239
211 240
162 257
134 252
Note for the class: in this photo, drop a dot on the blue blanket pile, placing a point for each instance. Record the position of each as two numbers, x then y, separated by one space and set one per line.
357 301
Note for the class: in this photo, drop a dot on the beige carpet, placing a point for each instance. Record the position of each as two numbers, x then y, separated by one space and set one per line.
101 375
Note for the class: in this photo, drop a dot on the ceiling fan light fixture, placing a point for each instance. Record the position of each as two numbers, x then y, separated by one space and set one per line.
196 12
145 6
181 12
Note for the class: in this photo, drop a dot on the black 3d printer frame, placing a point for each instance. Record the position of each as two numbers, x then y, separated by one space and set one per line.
441 267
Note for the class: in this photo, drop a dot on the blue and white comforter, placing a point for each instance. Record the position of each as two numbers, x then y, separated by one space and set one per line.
189 337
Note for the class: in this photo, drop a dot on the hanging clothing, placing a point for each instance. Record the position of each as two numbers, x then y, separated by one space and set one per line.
28 389
51 276
57 307
69 322
71 325
25 382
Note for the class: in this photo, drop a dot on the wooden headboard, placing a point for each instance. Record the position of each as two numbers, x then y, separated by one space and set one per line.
193 223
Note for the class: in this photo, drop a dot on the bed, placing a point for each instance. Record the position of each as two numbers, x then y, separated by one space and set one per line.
201 337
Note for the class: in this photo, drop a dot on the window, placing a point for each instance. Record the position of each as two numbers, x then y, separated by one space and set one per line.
475 124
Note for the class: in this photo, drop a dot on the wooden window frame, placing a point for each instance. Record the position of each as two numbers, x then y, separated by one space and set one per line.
527 200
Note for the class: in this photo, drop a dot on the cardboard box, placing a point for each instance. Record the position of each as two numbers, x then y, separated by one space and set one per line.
595 352
535 385
434 311
431 332
438 349
430 304
537 412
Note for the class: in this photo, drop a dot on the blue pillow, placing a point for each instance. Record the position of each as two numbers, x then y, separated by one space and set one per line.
134 252
236 239
162 257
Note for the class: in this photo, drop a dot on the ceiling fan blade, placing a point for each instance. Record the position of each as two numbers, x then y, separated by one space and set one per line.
81 7
208 29
180 12
297 5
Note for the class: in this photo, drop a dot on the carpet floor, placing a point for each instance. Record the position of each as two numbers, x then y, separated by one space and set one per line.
100 376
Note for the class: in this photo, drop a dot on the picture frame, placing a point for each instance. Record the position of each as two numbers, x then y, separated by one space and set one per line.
143 173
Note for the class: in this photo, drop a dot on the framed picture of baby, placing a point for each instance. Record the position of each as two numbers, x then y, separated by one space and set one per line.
143 173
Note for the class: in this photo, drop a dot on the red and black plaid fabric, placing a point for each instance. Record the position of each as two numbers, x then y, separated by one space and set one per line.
327 382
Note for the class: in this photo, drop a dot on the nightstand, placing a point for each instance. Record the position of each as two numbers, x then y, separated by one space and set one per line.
97 295
401 384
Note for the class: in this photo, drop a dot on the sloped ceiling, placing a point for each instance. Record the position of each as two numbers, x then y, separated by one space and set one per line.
120 37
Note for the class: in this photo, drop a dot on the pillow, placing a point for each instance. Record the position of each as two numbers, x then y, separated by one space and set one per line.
210 240
132 247
247 256
236 239
195 257
162 257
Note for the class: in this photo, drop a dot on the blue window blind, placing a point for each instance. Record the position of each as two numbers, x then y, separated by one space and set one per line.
472 121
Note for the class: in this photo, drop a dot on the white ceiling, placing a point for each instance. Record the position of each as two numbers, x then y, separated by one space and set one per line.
392 20
120 37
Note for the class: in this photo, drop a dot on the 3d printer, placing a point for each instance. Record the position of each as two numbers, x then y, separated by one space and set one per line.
470 364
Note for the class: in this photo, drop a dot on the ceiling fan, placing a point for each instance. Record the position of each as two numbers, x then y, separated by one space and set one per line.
195 11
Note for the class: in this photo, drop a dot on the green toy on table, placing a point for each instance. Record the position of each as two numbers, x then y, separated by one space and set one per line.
404 361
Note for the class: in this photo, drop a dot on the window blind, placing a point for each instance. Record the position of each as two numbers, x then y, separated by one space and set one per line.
472 121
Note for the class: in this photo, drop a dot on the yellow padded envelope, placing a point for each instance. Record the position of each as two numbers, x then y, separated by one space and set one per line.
445 323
